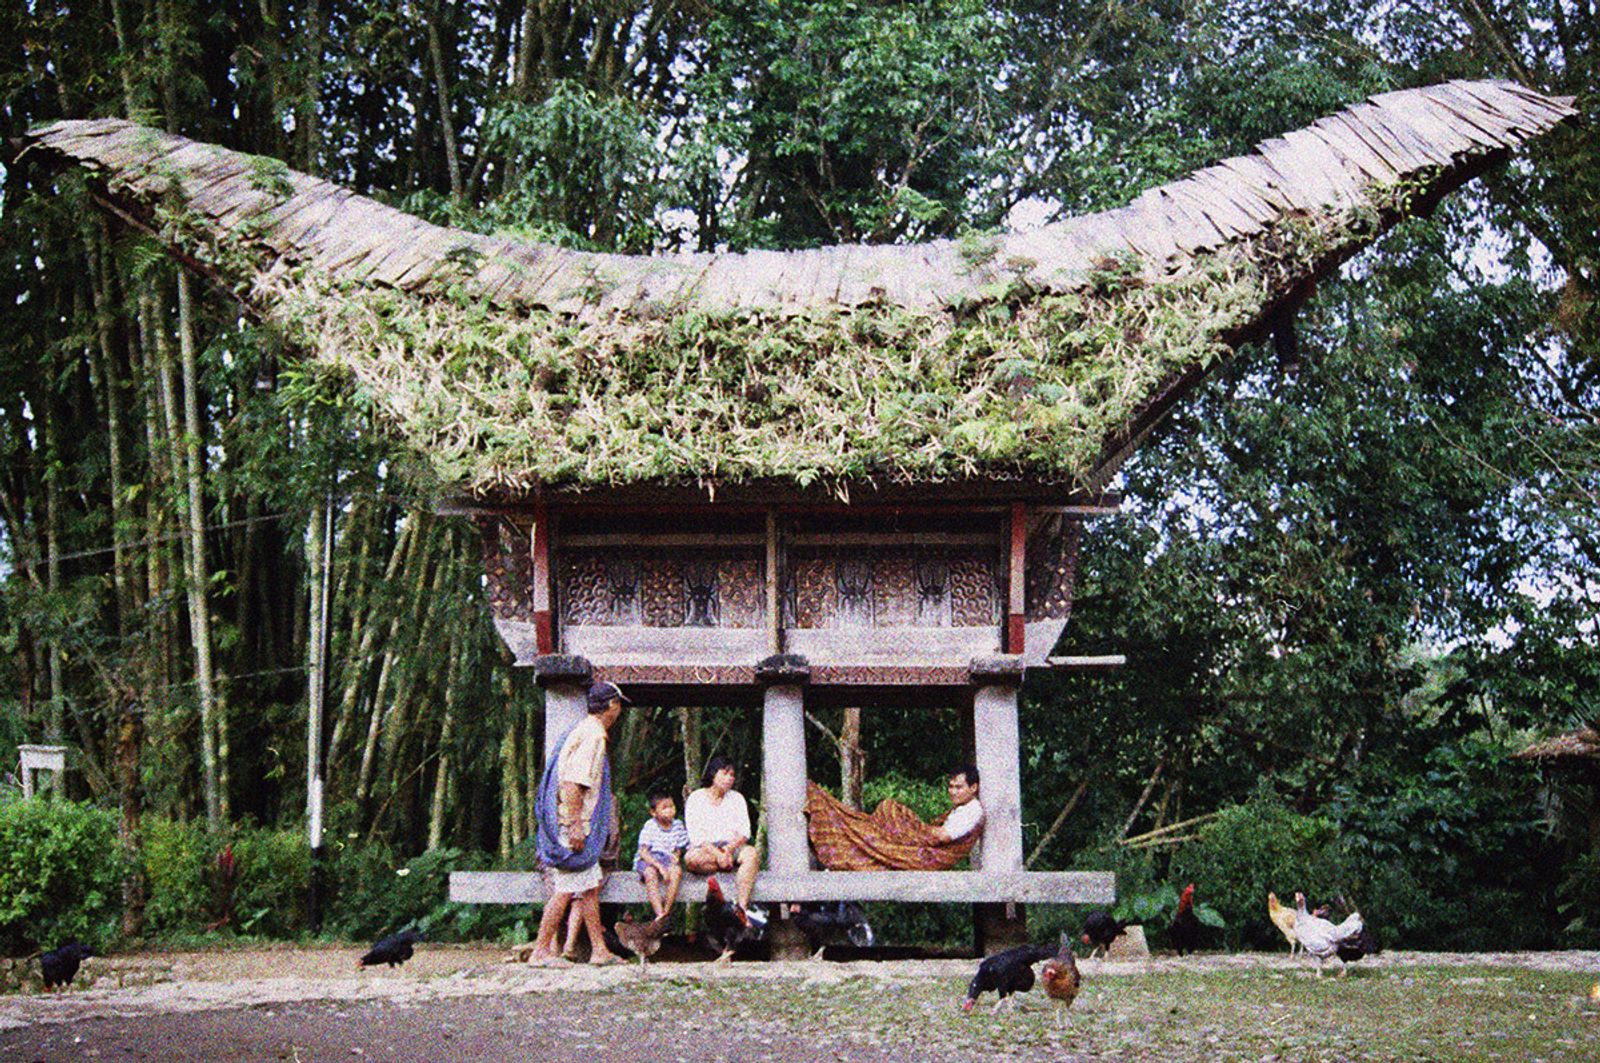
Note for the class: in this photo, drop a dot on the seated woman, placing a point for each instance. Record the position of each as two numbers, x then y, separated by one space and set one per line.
892 837
719 830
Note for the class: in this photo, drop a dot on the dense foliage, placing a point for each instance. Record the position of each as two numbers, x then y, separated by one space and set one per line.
1347 591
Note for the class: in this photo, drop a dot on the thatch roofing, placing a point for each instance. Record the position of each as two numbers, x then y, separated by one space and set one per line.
1040 355
1580 745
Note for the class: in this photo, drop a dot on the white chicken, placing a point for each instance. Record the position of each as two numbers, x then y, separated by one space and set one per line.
1318 936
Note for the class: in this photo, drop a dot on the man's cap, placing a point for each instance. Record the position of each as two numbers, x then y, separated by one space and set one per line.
600 695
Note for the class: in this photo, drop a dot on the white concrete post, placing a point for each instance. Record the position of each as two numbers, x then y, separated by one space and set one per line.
783 762
566 696
998 752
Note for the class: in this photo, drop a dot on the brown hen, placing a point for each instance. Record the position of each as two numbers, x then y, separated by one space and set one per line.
1062 980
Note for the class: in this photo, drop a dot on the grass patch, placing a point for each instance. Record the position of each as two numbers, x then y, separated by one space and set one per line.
1409 1013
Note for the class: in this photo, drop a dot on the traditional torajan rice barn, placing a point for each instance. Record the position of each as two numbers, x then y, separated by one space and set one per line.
854 475
1576 755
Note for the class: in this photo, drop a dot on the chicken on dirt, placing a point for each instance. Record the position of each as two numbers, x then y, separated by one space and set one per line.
1283 918
1062 980
1320 938
1100 930
1006 974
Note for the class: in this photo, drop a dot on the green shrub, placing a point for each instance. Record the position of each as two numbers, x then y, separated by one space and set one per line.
1255 847
177 866
377 894
60 875
273 877
924 797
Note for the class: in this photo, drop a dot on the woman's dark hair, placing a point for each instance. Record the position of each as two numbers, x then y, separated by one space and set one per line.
714 765
657 796
970 771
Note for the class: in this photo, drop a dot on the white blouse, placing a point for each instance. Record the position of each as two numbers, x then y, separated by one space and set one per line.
716 823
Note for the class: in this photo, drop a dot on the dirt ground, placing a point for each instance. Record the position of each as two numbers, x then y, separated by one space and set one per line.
453 1002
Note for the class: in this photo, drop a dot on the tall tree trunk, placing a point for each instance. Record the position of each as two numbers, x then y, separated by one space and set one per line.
211 714
442 87
693 750
380 711
852 759
317 561
441 782
130 742
308 121
52 563
355 674
111 377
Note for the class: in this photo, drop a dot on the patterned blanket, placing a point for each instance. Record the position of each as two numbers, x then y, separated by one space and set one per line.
889 838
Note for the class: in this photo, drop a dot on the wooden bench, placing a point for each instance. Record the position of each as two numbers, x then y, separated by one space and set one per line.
977 887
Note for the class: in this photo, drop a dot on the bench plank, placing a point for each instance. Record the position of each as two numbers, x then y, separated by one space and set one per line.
1029 887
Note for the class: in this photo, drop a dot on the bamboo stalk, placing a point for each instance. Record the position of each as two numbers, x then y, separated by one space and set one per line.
1056 824
1170 827
1138 806
441 783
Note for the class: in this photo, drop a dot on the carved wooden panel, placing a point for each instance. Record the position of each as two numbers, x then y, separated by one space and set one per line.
663 598
931 571
508 568
742 592
974 591
895 598
813 597
585 589
853 575
700 584
1052 568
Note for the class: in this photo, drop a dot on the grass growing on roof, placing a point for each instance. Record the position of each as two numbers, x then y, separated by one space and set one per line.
1019 384
1026 384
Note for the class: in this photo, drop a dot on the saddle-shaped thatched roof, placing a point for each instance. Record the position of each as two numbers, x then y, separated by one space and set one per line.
1042 355
1579 745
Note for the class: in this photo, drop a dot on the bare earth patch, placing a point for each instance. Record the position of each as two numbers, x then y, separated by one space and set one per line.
465 1003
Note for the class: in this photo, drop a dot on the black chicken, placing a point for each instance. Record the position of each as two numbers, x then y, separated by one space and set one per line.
822 920
60 966
1100 930
1362 944
1006 973
392 950
726 923
1185 930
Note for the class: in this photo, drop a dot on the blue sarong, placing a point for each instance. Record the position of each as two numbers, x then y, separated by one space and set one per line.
553 849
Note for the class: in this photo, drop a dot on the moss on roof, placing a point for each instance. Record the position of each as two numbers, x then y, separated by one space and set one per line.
1039 355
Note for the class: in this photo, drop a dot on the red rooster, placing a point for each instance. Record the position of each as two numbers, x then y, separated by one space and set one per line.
727 924
1184 933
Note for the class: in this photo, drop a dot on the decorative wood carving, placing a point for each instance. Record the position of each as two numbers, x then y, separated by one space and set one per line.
508 567
895 598
585 589
1053 568
700 583
853 574
742 592
664 600
813 596
932 574
974 591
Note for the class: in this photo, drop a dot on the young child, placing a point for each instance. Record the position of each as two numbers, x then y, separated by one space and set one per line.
662 840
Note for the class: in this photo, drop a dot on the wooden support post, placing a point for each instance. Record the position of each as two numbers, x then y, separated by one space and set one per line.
1016 597
998 755
773 582
543 616
783 785
566 696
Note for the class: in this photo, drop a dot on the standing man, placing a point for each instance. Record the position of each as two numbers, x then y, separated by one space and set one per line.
574 812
